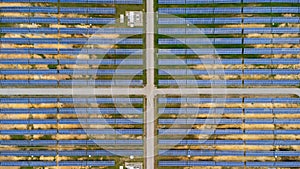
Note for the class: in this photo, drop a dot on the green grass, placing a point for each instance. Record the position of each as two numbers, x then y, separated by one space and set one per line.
52 66
17 137
26 167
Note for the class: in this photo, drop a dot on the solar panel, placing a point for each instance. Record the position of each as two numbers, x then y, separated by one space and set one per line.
257 61
286 142
257 10
86 163
258 132
100 153
20 1
285 110
285 30
260 153
230 164
201 152
259 142
172 163
259 121
287 164
88 10
28 132
95 142
87 21
257 30
28 153
171 2
260 164
28 163
229 142
200 121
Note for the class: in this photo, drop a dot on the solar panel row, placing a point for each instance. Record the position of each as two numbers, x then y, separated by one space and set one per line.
271 82
70 51
72 72
199 83
191 72
190 110
45 30
197 21
271 111
284 61
63 83
131 100
73 153
200 51
225 132
169 41
205 31
59 10
119 110
191 100
232 51
82 1
225 163
129 41
228 142
226 153
73 132
228 10
222 83
173 41
53 20
45 1
192 121
223 1
88 10
72 121
73 61
69 142
53 163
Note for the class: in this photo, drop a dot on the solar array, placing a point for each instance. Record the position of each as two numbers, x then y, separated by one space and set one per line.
180 2
250 43
230 10
53 163
72 61
78 1
229 51
47 39
229 164
208 31
70 131
229 61
216 41
176 72
61 10
227 83
218 21
190 73
133 41
243 131
72 30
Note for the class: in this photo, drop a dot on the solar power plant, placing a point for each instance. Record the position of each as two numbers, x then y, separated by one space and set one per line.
254 42
239 131
149 84
47 39
65 131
